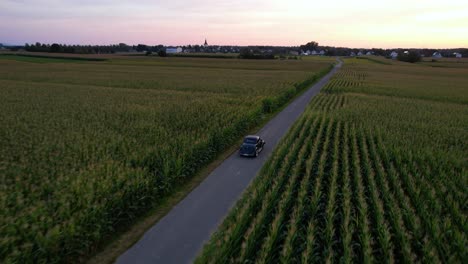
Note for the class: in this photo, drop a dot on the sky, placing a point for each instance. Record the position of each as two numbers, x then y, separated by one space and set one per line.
356 24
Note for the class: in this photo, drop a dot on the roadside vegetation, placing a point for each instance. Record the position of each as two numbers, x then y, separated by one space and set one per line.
375 170
87 147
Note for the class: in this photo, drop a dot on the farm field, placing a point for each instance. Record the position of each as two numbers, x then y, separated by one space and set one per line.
374 171
446 62
87 146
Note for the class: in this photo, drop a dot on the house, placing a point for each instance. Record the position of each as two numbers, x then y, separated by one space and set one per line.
369 53
313 52
174 50
457 55
394 55
436 55
321 53
352 54
360 53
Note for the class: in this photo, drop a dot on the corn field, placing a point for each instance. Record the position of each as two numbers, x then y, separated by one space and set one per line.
87 147
352 184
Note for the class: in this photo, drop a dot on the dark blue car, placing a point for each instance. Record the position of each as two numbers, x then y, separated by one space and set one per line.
251 146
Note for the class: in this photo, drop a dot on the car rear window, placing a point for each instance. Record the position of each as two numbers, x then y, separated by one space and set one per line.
250 140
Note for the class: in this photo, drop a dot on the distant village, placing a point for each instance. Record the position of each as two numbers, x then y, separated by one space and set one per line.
304 50
319 51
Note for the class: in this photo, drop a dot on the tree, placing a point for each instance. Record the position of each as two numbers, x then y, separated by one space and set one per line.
245 53
409 56
162 53
378 52
330 52
309 46
141 48
55 48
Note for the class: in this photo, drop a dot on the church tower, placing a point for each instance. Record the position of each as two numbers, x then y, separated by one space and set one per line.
206 44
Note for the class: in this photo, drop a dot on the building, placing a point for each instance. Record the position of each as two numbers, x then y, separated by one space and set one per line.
394 55
321 53
205 44
436 55
369 53
360 53
352 54
174 50
457 55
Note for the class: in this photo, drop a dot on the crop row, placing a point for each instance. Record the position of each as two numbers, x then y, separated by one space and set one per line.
328 102
345 80
339 195
85 148
337 85
351 74
350 191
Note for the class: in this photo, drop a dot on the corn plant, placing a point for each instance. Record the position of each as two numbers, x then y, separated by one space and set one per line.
370 186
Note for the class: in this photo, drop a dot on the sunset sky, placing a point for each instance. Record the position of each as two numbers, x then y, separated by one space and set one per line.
364 24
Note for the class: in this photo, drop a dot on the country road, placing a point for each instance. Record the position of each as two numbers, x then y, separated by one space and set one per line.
180 235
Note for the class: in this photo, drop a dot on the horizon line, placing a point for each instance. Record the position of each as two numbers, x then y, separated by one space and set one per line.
249 45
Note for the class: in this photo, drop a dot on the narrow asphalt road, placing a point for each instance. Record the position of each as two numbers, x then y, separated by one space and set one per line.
180 235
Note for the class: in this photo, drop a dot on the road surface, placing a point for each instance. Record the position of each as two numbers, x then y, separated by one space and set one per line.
180 235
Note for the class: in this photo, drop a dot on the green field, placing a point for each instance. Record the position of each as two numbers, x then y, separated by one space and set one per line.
374 171
85 147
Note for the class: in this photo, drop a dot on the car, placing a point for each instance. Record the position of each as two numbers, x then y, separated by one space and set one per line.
251 146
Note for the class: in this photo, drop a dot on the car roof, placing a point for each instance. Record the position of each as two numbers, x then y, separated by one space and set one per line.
252 136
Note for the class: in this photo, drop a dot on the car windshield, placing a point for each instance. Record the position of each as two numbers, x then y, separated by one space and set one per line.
250 140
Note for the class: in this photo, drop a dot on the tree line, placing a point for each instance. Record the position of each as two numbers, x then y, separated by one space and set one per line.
254 52
90 49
